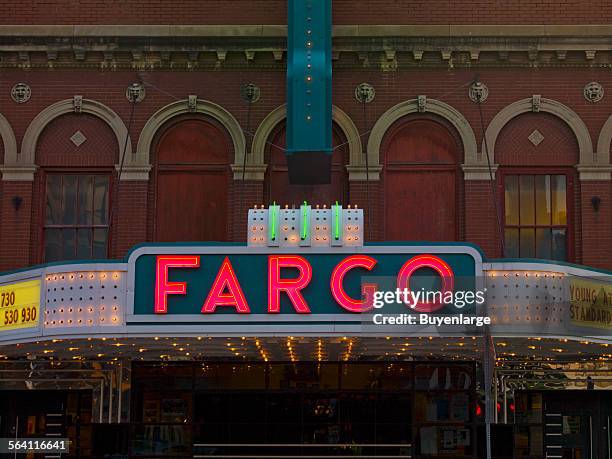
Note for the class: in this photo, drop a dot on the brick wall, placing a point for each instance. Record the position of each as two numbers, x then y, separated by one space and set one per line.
274 12
20 231
15 236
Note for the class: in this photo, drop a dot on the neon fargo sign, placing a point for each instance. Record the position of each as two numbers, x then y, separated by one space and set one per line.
213 281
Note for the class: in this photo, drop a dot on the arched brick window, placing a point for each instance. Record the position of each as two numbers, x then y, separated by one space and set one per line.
537 153
76 154
191 179
421 180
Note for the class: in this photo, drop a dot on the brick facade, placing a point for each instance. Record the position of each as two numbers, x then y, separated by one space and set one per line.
395 80
275 12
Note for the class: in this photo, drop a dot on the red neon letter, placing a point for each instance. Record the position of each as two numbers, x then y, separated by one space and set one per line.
337 278
226 279
291 286
163 288
427 261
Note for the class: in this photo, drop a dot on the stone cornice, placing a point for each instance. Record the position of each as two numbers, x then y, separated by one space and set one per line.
252 172
384 47
17 173
594 172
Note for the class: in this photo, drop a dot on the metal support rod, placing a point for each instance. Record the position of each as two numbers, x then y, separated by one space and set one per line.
110 396
505 392
496 417
120 392
101 402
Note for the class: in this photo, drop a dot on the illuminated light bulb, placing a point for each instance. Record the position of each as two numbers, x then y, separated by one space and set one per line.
114 308
103 276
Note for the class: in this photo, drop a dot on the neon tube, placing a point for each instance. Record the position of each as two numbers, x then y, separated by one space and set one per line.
273 224
337 222
305 222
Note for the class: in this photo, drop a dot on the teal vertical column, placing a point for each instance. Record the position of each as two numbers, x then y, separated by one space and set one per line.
309 91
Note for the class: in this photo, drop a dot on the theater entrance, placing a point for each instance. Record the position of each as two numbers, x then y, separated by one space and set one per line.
564 424
303 409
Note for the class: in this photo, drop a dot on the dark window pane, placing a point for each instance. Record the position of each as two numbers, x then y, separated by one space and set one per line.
542 195
53 246
527 200
83 243
559 244
54 199
99 243
559 200
543 243
85 199
69 200
512 243
527 242
68 243
512 200
100 201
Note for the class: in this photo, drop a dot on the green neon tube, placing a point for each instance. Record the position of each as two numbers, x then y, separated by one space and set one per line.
337 222
273 225
305 222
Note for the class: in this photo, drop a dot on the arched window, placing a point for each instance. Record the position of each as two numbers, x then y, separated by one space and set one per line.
421 180
537 153
191 180
76 154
